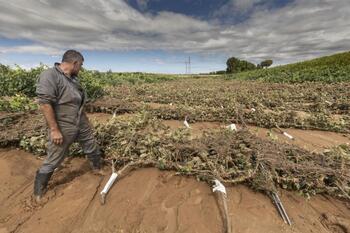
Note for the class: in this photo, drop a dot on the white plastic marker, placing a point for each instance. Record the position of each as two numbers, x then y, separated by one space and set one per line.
221 190
285 133
109 184
232 127
114 113
288 135
219 187
253 109
186 123
329 103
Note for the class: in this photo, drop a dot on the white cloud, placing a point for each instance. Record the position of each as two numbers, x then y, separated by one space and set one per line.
301 30
34 49
142 4
243 4
103 24
234 10
237 7
158 61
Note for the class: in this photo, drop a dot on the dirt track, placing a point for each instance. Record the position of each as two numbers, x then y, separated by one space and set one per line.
148 200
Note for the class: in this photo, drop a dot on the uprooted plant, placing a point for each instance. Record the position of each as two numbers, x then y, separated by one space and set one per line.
231 157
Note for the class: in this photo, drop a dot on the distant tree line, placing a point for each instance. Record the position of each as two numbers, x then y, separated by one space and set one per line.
265 63
235 65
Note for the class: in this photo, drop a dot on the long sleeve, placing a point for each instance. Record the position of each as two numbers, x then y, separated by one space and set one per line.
46 88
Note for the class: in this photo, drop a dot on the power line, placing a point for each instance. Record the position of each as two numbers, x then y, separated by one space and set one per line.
188 66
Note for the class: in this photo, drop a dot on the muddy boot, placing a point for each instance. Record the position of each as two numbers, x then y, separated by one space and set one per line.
97 167
40 184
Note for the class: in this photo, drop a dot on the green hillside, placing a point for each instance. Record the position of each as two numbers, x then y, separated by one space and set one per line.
334 68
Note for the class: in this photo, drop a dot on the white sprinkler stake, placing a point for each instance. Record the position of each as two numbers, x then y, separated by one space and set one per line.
114 113
288 135
219 187
186 123
232 127
108 186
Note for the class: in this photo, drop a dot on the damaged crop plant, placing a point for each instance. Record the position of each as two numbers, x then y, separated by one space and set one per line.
142 139
232 157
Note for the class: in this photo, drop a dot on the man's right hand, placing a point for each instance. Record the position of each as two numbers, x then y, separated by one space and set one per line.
56 136
55 133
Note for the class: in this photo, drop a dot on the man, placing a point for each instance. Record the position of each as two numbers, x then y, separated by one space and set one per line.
62 99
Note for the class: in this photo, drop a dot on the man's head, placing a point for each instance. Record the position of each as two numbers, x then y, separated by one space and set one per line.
72 61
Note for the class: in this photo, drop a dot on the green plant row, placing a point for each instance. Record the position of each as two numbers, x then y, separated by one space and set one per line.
20 81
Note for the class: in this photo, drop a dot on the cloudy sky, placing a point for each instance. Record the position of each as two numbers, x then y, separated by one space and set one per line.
159 35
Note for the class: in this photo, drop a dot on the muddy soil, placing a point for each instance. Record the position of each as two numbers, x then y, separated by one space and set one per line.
148 200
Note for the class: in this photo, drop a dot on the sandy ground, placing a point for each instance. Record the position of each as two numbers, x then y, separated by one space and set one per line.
148 200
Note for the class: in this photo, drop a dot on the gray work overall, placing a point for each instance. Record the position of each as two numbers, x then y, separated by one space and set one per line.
67 97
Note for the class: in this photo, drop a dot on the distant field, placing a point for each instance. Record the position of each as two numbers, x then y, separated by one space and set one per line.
335 68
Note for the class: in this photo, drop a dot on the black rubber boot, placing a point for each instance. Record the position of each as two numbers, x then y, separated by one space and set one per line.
97 166
95 163
40 184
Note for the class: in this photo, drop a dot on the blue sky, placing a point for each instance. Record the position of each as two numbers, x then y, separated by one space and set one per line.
207 9
152 61
160 35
